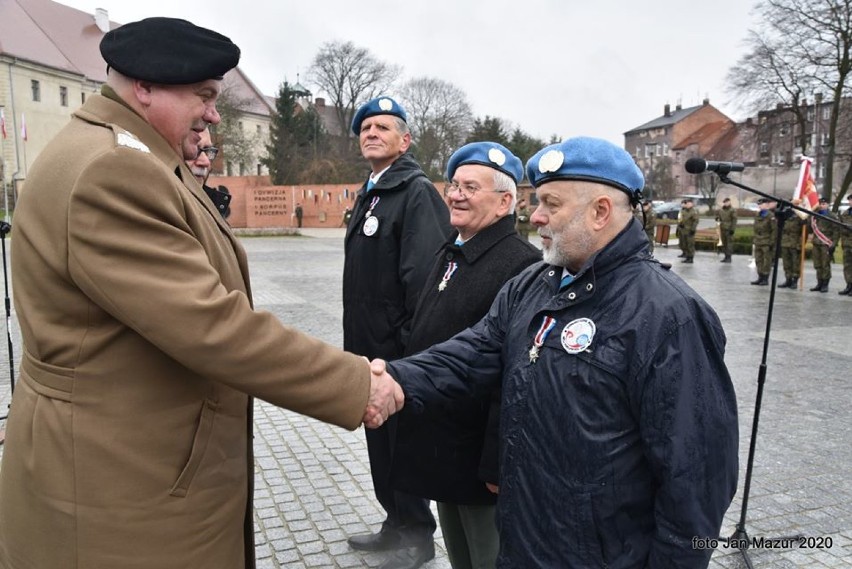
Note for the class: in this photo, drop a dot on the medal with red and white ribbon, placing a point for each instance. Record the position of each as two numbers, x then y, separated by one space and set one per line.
547 325
451 268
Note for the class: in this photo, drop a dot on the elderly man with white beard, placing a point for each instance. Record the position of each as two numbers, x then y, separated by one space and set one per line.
618 424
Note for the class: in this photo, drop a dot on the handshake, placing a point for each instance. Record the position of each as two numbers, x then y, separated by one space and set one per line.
386 396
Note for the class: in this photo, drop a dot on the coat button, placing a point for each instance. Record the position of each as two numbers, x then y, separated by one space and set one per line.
450 256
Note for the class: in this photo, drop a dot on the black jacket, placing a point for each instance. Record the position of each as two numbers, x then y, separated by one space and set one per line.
384 272
613 455
449 456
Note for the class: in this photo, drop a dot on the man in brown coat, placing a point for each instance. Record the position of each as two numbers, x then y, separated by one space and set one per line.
129 437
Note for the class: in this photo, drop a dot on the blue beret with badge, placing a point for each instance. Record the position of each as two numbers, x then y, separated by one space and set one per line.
489 154
587 159
377 106
168 51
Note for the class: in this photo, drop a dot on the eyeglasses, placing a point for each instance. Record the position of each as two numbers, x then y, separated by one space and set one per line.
466 191
210 151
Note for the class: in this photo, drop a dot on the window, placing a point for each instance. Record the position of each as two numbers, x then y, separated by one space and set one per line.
811 114
650 150
764 148
63 96
784 130
825 139
821 171
36 87
83 97
638 152
665 151
826 112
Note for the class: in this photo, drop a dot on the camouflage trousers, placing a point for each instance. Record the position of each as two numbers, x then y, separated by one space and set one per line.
822 262
763 258
790 257
727 241
847 264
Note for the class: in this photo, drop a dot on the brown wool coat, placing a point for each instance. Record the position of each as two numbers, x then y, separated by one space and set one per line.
128 444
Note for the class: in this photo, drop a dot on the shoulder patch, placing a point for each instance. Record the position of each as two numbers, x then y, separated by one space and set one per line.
130 141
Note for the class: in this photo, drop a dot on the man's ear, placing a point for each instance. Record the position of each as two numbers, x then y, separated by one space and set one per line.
602 207
144 91
406 142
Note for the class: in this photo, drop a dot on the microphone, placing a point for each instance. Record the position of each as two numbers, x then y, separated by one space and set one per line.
699 165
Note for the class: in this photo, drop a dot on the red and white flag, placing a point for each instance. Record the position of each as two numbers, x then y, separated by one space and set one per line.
806 188
3 123
23 127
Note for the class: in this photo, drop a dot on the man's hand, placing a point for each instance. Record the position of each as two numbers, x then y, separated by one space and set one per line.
386 396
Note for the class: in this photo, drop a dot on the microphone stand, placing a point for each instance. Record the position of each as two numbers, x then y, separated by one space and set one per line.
740 538
5 228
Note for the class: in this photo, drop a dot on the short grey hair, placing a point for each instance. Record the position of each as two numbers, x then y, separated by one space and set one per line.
401 125
504 183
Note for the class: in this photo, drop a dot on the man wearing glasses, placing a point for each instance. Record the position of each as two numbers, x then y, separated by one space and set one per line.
452 457
200 168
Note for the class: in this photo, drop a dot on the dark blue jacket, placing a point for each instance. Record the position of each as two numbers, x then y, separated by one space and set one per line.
616 456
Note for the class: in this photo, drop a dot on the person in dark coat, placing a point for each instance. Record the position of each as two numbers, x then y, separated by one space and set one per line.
452 458
205 153
618 423
398 223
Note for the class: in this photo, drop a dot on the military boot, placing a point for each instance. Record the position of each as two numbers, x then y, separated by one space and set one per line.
817 287
727 259
824 287
786 284
847 290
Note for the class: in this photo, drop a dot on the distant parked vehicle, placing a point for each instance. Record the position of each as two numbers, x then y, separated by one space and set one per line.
667 209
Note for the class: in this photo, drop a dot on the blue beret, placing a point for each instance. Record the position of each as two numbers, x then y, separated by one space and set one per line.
489 154
377 106
168 51
590 159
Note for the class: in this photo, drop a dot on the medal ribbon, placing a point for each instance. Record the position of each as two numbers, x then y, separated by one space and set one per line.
547 325
451 268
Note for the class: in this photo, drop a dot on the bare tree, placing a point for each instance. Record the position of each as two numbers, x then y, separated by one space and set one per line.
238 146
801 45
350 76
440 119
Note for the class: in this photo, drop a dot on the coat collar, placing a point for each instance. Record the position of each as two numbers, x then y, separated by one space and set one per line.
396 177
482 242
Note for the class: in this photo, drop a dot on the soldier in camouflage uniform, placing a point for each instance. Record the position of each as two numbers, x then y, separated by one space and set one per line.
824 242
791 249
648 221
687 225
727 218
764 241
846 237
523 225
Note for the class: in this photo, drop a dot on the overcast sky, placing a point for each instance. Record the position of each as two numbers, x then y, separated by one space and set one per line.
564 67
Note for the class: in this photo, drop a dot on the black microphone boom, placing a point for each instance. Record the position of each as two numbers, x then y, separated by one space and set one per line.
699 165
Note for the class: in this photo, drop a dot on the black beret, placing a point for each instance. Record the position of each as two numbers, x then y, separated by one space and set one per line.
169 51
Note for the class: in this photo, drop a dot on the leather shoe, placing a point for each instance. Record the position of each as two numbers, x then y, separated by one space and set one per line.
384 540
410 557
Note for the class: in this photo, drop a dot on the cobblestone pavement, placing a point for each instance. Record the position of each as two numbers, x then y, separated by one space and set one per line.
313 480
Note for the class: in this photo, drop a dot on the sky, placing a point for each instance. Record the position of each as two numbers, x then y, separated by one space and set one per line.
552 67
